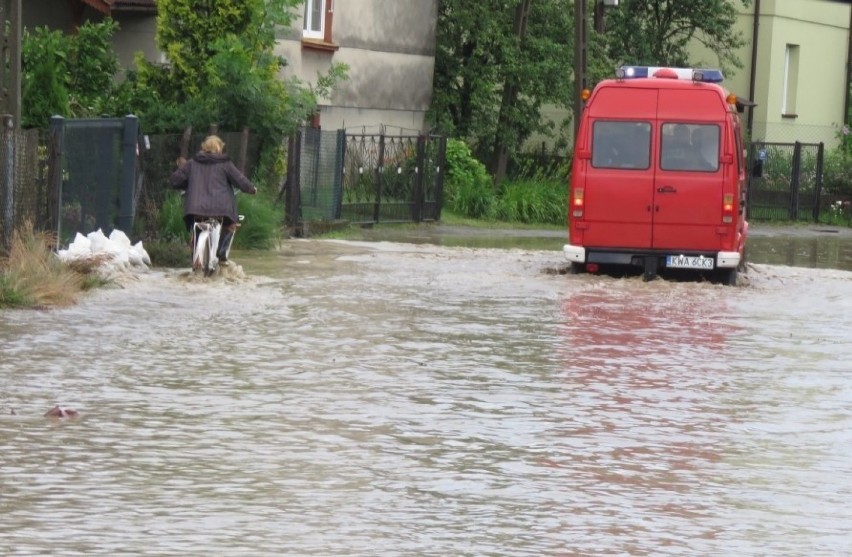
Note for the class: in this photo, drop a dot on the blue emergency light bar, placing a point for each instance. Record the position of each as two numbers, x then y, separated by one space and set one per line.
705 75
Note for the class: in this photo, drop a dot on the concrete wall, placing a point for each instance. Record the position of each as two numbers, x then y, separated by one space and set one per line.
389 46
137 33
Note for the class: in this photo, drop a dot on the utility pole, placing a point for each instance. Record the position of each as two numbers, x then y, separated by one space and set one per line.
580 66
10 60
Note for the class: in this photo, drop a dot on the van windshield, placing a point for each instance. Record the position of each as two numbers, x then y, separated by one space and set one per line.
693 147
620 144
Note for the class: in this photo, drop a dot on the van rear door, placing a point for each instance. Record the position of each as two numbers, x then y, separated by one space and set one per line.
688 184
619 186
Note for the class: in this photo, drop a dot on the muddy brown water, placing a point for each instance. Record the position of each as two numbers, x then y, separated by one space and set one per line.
387 398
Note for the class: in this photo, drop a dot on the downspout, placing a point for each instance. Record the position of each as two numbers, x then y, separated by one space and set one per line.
753 72
846 119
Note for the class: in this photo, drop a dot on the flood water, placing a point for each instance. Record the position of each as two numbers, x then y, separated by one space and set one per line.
399 399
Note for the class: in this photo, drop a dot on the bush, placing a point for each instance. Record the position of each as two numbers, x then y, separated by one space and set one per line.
533 201
170 218
837 173
468 189
262 225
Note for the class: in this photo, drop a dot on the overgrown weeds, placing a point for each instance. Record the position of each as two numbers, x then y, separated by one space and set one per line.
32 275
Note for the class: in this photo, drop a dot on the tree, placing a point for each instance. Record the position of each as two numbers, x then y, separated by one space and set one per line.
68 75
222 69
497 62
661 32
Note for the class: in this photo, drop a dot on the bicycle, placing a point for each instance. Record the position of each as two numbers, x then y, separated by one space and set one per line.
205 241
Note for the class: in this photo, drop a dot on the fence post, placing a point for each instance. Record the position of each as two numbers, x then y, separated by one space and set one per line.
340 152
292 195
419 196
439 176
129 146
794 181
8 142
380 163
817 201
184 142
243 155
57 147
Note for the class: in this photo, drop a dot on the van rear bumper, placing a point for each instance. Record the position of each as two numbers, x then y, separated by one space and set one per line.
578 254
728 259
574 254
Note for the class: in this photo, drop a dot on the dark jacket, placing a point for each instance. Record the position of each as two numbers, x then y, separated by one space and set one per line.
208 179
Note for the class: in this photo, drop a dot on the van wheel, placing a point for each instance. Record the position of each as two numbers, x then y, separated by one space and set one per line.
729 277
576 269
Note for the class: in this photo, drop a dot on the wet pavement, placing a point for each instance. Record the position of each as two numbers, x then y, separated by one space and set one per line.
371 398
812 245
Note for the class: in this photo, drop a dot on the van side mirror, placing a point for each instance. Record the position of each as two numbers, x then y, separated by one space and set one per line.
757 169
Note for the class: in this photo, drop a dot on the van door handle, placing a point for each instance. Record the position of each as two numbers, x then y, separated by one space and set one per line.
667 189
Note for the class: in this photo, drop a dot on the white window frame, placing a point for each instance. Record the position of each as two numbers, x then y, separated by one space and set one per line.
307 31
791 77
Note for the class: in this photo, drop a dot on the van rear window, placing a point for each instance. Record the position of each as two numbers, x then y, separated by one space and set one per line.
693 147
620 144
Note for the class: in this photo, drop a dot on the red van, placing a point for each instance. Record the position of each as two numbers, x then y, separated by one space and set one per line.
658 178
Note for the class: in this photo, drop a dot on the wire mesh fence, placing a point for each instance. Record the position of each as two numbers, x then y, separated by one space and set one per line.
24 193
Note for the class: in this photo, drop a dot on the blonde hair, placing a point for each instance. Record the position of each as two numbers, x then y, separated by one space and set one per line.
213 144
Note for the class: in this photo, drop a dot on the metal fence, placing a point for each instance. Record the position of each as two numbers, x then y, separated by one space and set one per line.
97 186
785 182
364 178
81 175
24 193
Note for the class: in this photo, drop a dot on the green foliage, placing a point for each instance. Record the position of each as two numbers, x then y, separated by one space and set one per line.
69 75
261 228
659 32
223 70
837 173
44 56
467 189
92 66
844 137
533 201
10 296
838 213
170 218
490 79
168 253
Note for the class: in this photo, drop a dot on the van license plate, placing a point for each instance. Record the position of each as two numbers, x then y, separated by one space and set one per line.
689 262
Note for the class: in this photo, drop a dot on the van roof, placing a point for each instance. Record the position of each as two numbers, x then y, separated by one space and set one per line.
651 98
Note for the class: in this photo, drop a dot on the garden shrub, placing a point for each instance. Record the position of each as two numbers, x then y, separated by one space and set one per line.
468 189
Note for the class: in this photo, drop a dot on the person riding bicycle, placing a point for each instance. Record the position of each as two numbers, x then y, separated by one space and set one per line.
208 179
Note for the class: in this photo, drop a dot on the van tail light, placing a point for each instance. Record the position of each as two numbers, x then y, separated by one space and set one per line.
728 208
577 202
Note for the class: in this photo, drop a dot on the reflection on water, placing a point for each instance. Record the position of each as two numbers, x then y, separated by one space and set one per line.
389 399
825 251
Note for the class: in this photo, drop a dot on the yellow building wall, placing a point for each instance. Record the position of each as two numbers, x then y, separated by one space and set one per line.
820 29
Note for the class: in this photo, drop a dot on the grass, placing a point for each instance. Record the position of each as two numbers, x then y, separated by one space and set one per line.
448 218
32 276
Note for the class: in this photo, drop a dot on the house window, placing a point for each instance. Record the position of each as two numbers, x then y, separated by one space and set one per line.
318 18
791 78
